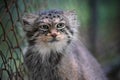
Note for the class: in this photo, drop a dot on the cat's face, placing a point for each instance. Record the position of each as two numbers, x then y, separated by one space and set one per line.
51 29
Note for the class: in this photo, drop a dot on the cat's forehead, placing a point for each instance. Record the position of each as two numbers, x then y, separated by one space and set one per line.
51 13
51 16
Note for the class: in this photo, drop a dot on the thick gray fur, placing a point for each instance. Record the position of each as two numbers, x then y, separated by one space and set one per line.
73 63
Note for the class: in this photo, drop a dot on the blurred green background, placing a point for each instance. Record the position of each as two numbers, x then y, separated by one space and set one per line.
100 26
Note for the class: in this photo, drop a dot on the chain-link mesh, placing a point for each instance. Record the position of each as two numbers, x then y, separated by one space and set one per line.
11 54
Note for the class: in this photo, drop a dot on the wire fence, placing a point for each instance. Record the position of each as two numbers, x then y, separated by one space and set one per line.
11 53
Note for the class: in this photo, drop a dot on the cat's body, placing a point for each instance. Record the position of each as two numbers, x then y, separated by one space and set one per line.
54 51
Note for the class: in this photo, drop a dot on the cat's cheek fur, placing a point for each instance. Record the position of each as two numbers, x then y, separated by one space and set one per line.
44 48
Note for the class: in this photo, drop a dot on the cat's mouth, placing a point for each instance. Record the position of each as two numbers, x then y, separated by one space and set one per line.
53 40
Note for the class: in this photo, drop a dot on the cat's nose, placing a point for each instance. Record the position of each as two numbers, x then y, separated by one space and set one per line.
54 33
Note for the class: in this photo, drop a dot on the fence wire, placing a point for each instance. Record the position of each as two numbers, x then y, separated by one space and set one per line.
11 54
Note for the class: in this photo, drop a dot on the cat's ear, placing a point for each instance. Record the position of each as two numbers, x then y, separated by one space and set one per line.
28 21
70 12
72 18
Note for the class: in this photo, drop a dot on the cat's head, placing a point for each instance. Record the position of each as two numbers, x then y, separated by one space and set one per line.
51 29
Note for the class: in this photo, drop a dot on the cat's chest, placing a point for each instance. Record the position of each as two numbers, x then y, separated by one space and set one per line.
54 67
68 68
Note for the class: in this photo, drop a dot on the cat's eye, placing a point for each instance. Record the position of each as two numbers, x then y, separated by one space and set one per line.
60 26
44 27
